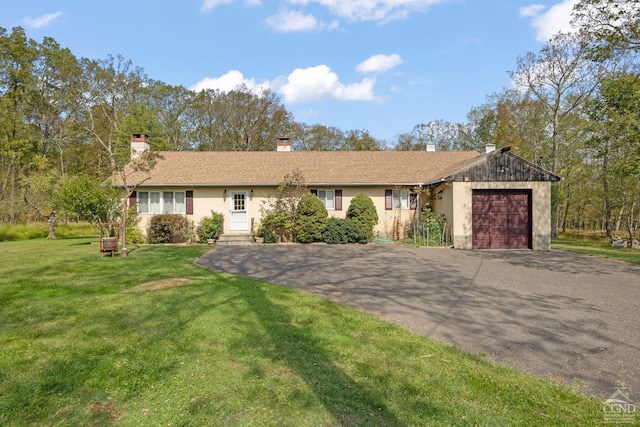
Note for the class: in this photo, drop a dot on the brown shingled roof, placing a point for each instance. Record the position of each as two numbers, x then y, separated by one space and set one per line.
318 167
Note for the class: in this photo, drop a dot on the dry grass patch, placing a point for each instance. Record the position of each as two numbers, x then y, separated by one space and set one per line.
158 285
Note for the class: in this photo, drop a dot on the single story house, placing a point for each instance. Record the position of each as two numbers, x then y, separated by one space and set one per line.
491 200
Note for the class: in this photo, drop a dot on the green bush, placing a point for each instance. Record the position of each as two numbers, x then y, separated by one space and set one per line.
275 227
210 227
134 234
430 231
342 231
169 228
433 228
311 219
363 213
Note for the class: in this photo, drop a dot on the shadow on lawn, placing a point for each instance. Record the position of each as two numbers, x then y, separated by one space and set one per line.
348 402
544 312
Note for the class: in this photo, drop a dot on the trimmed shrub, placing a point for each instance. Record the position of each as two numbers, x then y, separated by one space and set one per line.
363 213
311 219
169 228
275 227
342 231
210 227
134 234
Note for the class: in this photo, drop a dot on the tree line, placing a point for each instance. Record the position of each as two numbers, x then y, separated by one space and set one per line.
573 108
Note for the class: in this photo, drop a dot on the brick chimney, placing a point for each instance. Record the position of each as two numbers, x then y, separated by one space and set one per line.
283 144
139 144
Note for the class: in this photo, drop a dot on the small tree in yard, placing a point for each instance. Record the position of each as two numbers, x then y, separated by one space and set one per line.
38 194
311 220
363 213
132 176
89 199
279 214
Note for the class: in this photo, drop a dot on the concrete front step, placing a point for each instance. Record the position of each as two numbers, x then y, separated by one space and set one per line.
235 239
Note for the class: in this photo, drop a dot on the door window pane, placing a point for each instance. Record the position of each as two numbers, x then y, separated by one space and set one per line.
238 202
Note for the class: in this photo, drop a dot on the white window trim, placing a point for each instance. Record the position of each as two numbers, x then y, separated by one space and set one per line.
403 202
176 208
324 199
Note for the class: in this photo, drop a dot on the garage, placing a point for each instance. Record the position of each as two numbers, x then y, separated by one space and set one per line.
501 219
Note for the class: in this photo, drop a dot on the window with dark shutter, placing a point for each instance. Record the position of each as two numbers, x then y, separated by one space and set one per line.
189 202
133 199
338 200
413 201
314 192
388 200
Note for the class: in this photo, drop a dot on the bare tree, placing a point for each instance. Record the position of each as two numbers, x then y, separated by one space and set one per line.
563 77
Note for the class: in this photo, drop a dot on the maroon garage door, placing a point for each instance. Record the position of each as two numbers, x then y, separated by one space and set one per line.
501 219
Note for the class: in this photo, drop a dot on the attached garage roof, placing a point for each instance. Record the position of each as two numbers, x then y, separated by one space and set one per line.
318 167
498 166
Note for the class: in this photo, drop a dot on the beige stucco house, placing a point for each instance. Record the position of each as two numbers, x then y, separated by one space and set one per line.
491 200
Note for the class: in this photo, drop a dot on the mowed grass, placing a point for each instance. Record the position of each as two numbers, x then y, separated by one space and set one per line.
155 340
595 245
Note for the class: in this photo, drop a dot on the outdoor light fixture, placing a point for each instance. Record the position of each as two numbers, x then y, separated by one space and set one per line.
224 195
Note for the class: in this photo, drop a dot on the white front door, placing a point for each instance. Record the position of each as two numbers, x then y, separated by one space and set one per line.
239 211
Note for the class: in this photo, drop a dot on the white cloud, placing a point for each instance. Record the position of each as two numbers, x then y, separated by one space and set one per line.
42 21
379 63
208 5
372 10
290 21
548 22
302 85
230 81
317 83
531 10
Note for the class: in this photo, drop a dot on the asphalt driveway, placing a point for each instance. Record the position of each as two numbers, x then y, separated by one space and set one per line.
570 317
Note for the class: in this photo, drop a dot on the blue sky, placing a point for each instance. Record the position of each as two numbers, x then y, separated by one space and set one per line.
376 65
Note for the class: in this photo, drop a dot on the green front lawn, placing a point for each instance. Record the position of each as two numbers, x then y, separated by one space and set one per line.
596 246
155 340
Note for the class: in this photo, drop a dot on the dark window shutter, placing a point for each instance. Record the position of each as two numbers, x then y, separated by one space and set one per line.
133 199
189 202
388 200
338 200
314 192
413 201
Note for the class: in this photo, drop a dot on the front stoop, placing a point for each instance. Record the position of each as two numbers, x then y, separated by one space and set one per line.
235 239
